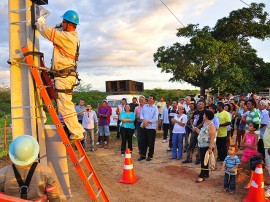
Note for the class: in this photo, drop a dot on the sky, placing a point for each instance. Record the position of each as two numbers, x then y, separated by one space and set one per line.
118 38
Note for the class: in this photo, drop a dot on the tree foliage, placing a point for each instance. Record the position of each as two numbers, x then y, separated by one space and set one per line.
221 56
83 87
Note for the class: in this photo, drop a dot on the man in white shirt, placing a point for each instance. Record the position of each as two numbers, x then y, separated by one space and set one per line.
88 123
187 103
165 122
264 121
160 106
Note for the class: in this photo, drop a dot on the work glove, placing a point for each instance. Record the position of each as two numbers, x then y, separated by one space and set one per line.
41 22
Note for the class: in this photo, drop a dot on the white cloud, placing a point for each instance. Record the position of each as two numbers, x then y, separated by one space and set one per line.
118 38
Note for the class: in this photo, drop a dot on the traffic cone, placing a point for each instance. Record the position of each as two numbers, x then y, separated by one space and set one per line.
256 190
128 172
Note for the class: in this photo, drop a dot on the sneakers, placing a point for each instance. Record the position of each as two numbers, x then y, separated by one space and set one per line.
92 150
164 141
188 160
226 190
141 158
232 192
169 149
97 143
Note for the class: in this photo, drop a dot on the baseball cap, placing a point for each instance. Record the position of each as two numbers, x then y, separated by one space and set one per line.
105 100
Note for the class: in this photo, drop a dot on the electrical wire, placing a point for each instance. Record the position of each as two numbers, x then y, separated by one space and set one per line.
172 13
245 3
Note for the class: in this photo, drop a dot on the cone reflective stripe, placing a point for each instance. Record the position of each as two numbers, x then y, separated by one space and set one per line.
128 156
128 167
128 176
256 190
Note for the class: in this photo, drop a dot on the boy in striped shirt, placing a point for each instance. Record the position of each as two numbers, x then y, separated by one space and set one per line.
230 166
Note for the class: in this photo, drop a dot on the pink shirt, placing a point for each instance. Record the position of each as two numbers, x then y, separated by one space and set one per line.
137 112
250 140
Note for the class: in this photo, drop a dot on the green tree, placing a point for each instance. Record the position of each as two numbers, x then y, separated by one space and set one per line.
222 56
83 87
5 100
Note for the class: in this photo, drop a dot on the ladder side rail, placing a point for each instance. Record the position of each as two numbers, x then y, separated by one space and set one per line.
57 123
91 170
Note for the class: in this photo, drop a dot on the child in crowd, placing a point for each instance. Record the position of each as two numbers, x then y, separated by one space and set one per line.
249 143
230 166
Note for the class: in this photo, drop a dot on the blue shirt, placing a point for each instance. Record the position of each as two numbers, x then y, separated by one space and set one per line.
264 120
79 109
150 113
124 115
215 121
230 163
165 116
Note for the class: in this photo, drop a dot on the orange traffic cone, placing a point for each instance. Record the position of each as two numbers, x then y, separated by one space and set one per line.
256 190
128 172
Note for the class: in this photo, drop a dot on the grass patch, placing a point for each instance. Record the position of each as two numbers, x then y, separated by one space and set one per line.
3 119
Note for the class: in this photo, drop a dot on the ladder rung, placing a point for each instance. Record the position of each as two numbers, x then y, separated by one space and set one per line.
89 177
82 158
99 191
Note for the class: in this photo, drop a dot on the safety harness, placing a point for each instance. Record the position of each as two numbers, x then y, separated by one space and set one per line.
24 185
70 71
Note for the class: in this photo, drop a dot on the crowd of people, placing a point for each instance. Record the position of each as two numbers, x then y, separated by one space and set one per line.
221 126
217 127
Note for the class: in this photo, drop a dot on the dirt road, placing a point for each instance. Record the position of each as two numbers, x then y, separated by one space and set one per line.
161 179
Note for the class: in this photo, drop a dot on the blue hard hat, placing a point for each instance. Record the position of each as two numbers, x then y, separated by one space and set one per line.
71 16
24 150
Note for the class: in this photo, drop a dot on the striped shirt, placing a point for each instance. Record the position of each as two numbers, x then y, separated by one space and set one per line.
254 117
230 163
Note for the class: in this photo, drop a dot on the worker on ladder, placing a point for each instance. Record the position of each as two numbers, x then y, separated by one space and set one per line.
64 65
26 178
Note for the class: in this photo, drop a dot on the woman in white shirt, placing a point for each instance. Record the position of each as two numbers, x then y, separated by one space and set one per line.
179 120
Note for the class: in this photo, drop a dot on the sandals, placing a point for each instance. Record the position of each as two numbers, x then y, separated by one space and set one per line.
247 187
199 181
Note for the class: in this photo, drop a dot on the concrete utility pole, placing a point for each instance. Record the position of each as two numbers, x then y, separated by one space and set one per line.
26 104
25 110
